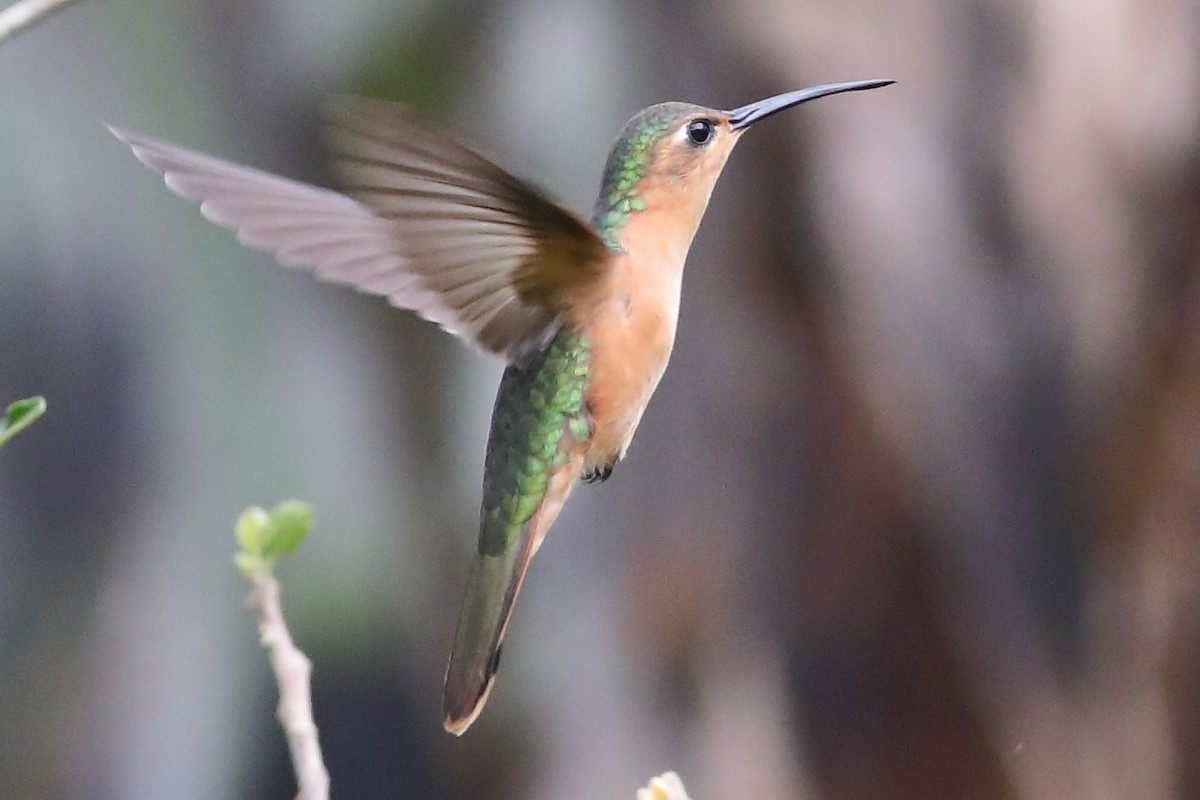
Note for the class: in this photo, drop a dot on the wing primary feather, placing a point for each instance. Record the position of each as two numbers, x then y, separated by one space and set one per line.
374 156
446 200
506 245
400 131
428 223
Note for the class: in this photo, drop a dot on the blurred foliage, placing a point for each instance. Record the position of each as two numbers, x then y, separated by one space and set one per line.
267 536
416 67
19 416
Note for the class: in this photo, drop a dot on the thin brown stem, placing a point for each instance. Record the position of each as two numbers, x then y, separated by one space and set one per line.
292 672
26 13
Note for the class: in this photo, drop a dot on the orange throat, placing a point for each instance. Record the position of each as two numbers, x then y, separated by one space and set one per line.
630 323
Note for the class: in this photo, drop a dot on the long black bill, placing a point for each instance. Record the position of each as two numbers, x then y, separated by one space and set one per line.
747 115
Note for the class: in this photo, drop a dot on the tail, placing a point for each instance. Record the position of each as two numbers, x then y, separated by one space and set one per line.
534 455
492 586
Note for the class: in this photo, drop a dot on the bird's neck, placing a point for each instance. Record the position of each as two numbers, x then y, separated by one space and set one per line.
621 197
654 220
629 166
646 276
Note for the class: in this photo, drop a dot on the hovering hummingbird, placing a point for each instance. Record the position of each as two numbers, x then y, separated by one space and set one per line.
583 313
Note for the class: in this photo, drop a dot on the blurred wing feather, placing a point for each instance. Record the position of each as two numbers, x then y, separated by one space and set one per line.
464 220
431 225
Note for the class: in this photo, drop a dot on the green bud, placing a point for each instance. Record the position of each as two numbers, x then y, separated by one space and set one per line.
250 564
291 520
253 530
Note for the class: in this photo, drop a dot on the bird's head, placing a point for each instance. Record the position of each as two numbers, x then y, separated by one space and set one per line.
671 154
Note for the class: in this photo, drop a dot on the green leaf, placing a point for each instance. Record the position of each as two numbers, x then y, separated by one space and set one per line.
254 528
291 520
20 415
251 564
267 536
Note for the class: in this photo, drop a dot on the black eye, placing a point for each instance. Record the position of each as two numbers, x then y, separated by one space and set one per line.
700 131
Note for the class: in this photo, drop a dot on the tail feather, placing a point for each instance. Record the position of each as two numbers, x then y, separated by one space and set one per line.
492 588
535 453
492 585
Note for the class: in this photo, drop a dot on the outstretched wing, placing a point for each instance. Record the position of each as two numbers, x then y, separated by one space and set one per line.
435 228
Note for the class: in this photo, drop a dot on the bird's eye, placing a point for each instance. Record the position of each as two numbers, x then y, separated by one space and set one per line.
700 131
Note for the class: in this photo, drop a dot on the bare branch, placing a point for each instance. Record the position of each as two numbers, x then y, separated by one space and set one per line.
25 13
292 671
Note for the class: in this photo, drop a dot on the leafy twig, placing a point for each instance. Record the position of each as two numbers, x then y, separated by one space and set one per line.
25 13
265 537
19 416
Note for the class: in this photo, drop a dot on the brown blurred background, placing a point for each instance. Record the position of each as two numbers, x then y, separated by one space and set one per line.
914 513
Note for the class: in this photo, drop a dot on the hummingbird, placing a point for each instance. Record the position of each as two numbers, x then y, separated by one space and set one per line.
582 311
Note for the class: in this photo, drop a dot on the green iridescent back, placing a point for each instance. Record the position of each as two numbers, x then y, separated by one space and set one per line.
538 404
628 163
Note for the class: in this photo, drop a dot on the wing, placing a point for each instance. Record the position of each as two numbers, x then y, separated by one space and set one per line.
436 228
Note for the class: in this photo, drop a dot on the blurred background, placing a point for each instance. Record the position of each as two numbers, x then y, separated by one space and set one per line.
913 514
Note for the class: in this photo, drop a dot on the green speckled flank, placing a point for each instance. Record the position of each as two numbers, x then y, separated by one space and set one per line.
537 405
628 163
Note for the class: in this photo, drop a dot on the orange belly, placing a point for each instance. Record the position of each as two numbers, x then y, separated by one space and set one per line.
631 333
630 319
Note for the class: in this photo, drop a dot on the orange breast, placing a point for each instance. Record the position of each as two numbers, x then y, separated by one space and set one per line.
631 328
